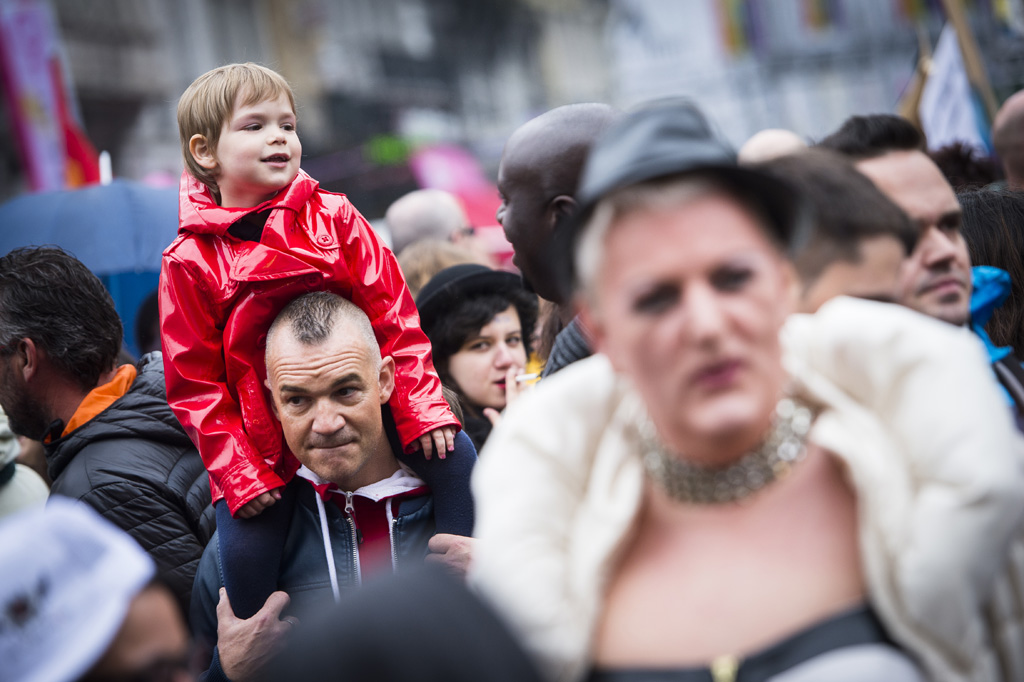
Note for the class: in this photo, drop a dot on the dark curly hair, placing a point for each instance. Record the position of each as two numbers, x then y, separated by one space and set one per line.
965 167
450 330
49 296
993 227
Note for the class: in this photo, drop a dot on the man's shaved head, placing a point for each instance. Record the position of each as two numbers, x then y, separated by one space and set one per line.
769 144
1008 138
313 317
539 172
552 147
424 214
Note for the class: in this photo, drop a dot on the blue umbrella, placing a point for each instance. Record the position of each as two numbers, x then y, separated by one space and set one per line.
115 228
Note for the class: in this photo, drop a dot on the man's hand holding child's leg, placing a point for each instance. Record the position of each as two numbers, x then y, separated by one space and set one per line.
245 645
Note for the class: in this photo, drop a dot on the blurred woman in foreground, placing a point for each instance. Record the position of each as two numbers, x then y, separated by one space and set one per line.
704 501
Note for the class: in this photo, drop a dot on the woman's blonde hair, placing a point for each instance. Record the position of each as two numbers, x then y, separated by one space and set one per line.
209 102
424 258
660 193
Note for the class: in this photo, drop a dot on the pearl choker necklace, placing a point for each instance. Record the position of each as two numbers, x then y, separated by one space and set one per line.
783 447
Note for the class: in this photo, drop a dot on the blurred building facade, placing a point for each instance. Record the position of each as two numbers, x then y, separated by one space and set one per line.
376 78
804 65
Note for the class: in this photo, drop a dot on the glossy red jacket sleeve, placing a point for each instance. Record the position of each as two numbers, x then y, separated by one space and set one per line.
196 390
379 289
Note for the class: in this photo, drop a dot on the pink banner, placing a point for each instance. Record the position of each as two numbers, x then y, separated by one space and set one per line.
455 170
28 49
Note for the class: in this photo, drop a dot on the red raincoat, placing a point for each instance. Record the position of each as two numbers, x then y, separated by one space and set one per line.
218 296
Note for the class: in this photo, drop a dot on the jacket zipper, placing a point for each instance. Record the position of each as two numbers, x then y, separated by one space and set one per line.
394 549
349 516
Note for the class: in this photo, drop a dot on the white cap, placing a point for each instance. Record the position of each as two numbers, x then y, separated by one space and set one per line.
67 577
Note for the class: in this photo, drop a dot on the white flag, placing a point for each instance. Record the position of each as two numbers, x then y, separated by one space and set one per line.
947 109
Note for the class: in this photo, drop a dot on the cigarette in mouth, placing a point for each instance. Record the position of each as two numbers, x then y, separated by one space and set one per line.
526 377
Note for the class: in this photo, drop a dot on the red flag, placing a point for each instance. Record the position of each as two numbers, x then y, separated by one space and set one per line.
82 165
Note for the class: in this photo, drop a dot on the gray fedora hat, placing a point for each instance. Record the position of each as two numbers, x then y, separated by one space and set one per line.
666 138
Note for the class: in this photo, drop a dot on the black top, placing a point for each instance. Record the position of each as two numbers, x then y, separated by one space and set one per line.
478 429
570 345
249 228
851 628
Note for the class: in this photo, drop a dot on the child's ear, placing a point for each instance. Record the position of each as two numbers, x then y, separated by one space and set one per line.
202 152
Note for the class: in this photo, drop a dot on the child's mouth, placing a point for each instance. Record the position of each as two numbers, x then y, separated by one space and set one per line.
276 158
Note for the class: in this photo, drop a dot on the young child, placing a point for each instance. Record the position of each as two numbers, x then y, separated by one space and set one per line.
255 232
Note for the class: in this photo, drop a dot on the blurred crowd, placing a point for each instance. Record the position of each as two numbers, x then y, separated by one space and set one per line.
733 415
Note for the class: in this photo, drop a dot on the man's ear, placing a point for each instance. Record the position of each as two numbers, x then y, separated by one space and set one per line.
273 401
386 378
27 358
202 152
558 209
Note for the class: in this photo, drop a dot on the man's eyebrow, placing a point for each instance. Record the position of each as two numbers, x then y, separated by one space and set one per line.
350 378
954 216
951 216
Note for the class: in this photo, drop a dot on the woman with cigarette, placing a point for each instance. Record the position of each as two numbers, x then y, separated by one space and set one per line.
479 321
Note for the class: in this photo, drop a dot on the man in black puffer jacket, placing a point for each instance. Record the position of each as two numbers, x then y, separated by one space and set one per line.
110 438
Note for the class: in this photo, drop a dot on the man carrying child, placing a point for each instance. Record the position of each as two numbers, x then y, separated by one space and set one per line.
255 233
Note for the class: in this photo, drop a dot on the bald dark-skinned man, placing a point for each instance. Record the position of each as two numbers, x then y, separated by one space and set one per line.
1008 139
540 169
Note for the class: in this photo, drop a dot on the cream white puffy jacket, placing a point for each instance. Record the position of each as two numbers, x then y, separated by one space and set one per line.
910 406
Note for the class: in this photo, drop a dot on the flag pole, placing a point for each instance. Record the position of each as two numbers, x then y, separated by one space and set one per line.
911 98
973 63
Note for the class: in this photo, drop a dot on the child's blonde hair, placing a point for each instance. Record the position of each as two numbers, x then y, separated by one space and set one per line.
208 103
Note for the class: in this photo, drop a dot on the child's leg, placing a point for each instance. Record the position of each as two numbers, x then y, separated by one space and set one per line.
448 479
250 553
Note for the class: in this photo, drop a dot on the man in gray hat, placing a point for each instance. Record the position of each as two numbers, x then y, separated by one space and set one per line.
540 169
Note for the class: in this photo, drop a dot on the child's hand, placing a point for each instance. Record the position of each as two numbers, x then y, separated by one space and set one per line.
443 439
255 506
